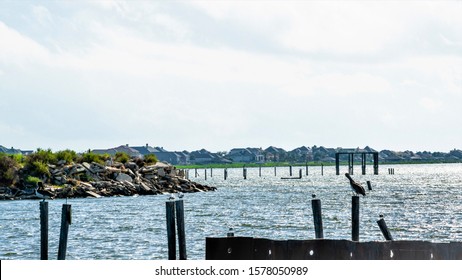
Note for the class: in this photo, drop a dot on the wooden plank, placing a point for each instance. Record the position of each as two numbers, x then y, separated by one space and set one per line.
93 194
233 248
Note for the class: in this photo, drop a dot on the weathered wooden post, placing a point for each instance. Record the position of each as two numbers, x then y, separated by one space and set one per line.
211 172
337 163
376 163
363 164
369 187
180 228
384 229
205 174
44 230
244 172
322 169
306 169
170 216
66 220
317 217
195 172
230 232
355 218
290 170
300 173
259 171
275 171
225 173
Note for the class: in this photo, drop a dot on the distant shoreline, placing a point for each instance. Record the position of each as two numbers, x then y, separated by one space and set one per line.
287 164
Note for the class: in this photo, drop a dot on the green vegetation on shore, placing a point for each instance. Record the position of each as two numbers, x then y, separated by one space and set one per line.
36 166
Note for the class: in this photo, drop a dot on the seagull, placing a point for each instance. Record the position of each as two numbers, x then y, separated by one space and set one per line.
171 197
357 188
180 195
40 192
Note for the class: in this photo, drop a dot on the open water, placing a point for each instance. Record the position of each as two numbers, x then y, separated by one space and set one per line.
419 202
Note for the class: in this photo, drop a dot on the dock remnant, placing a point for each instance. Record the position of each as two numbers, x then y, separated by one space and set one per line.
351 153
249 248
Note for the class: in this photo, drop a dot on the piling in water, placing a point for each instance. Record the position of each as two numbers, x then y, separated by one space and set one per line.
355 218
180 228
369 187
384 229
317 217
170 215
44 230
66 220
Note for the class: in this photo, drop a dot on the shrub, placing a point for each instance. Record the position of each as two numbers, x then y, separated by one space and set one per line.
37 163
92 157
67 155
31 180
8 169
151 158
122 157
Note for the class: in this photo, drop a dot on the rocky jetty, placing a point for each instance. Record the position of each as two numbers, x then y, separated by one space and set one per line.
112 179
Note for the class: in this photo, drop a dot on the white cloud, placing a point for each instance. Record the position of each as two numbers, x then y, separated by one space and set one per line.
339 84
42 14
430 104
17 49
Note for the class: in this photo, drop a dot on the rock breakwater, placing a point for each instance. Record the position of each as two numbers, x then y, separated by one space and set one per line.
112 179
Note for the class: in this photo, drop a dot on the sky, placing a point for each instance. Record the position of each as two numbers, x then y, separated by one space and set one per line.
187 75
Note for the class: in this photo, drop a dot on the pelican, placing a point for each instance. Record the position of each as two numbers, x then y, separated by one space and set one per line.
40 192
357 188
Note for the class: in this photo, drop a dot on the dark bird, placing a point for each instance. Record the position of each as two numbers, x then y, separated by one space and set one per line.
40 192
357 188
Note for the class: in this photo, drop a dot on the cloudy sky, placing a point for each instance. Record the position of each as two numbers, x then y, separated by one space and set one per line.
224 74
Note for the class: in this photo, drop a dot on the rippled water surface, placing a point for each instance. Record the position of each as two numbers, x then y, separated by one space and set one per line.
420 202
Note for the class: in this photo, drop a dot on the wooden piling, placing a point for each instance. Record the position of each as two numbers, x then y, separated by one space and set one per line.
306 169
179 205
211 172
300 173
170 217
384 229
66 220
195 172
225 173
244 172
259 171
275 171
322 169
363 164
290 170
355 218
369 187
317 217
44 230
205 174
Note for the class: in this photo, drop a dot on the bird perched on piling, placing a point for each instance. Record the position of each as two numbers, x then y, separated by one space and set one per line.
40 192
357 188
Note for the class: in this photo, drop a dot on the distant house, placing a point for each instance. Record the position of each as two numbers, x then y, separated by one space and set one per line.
246 155
301 154
164 155
121 149
205 157
274 154
11 151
